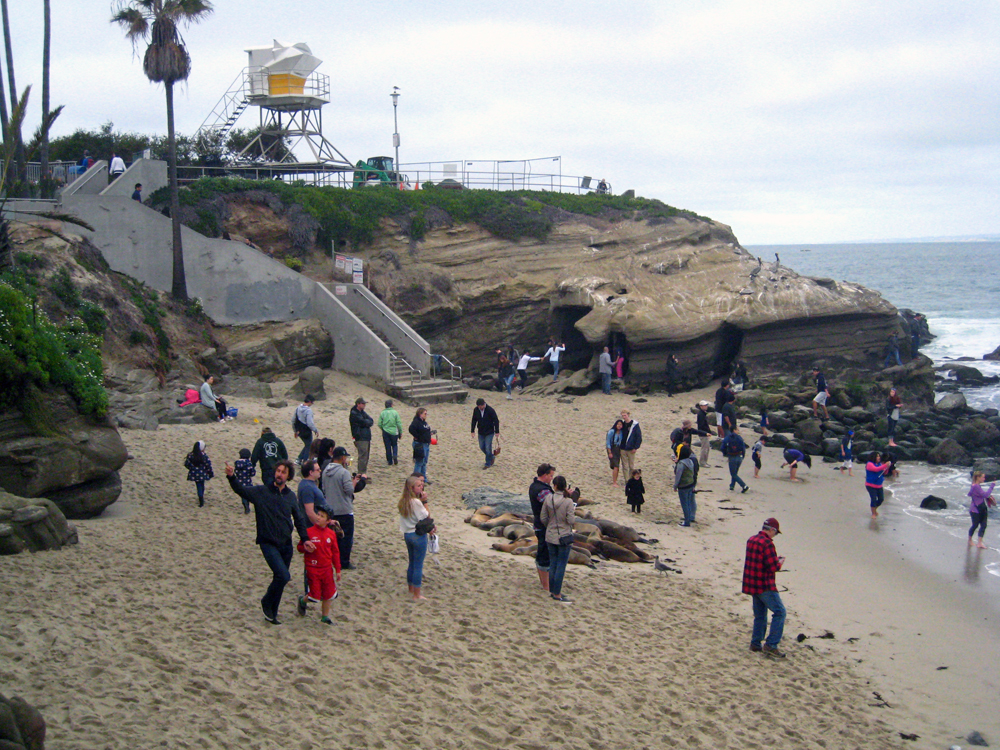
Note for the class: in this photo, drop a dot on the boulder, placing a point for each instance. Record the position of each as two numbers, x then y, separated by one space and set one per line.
277 403
949 452
501 501
21 725
831 447
310 383
755 400
993 356
953 402
971 376
779 439
34 524
932 502
233 387
809 431
277 348
71 459
989 466
976 433
779 421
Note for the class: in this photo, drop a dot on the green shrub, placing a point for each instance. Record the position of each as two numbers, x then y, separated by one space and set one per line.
138 338
62 286
294 263
93 318
35 353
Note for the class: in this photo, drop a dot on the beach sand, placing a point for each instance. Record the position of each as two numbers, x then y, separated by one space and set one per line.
149 632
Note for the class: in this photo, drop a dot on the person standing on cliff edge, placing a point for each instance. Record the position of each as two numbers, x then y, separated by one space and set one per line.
762 562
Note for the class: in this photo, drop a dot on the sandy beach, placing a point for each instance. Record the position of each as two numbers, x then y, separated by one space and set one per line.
149 634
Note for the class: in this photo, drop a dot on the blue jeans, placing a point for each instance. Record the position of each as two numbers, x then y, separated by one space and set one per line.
278 558
199 484
688 504
555 368
558 559
768 600
877 495
391 443
509 382
416 550
486 446
894 354
606 383
306 436
420 464
890 427
734 467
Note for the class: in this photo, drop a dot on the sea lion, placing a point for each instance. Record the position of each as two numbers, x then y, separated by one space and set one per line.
616 530
631 547
580 513
586 527
518 531
577 557
615 552
486 510
511 546
477 520
505 519
498 531
585 501
528 549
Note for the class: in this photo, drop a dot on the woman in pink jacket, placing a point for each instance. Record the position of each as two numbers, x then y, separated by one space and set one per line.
980 505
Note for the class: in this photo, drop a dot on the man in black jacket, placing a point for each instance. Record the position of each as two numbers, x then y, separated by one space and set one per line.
276 509
485 418
361 431
543 481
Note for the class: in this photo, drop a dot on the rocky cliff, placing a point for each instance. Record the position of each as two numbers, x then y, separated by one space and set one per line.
653 286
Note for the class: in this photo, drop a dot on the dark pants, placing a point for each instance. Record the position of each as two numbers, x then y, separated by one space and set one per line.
877 496
266 473
542 553
979 521
347 543
558 559
220 407
890 427
199 484
523 374
278 558
306 436
391 443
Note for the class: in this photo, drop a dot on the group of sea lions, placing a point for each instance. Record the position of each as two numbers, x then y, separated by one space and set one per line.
592 537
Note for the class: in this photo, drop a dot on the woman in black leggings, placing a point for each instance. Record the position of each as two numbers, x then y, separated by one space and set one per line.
979 507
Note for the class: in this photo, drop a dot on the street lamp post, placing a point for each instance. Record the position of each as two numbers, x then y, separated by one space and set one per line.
395 135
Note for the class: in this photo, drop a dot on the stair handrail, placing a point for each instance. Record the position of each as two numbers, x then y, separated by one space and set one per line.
413 370
453 367
222 111
381 312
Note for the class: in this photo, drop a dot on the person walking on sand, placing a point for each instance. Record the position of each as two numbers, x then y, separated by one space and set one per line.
847 454
553 352
703 427
982 499
793 458
613 444
630 443
268 451
277 511
422 436
893 405
322 566
522 369
484 417
761 563
874 477
541 484
245 473
199 467
755 454
304 425
634 491
339 488
413 509
822 394
558 512
685 481
361 431
734 449
391 426
605 366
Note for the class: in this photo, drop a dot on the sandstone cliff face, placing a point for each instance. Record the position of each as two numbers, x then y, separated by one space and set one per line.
656 286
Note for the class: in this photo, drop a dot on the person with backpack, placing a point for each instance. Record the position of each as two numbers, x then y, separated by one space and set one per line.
304 425
268 451
734 449
685 480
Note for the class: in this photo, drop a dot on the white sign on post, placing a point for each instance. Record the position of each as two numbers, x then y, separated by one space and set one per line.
340 262
340 290
359 277
359 265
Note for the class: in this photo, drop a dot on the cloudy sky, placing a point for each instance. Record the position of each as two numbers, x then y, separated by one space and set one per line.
792 121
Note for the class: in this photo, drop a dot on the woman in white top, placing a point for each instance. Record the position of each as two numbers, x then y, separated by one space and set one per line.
413 508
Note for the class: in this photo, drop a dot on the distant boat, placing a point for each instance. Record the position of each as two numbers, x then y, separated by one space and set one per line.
805 250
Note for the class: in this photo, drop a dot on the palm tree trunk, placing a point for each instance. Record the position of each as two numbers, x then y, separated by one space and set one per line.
3 105
21 171
45 179
179 286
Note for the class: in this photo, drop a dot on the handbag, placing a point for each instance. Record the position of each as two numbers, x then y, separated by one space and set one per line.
566 540
418 451
424 526
496 451
433 545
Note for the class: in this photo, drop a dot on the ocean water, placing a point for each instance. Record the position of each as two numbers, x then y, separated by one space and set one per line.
956 285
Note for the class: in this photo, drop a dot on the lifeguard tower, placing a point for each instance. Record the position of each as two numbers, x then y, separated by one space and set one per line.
283 83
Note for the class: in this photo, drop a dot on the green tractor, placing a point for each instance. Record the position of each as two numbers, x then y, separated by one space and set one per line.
377 171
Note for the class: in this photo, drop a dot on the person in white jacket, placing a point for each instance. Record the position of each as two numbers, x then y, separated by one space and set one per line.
553 352
522 368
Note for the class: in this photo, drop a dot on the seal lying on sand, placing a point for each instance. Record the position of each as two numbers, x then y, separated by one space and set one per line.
576 556
511 546
614 552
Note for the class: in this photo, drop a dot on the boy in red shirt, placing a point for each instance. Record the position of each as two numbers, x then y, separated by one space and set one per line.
321 564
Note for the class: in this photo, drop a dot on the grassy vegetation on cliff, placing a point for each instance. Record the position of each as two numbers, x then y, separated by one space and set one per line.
354 215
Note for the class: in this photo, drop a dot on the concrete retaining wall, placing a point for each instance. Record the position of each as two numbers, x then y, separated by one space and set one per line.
91 182
357 350
152 173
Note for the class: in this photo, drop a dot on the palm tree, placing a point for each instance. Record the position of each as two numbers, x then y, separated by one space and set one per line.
14 133
166 61
44 178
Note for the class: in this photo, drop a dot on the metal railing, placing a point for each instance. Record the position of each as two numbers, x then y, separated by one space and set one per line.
62 171
519 174
436 358
314 174
415 374
381 312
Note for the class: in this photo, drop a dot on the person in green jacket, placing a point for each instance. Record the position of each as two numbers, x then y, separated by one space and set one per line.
268 451
392 427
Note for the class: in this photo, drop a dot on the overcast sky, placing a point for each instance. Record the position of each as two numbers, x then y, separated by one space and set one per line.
793 122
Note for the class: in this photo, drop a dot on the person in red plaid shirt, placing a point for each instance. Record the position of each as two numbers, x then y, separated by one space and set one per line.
762 562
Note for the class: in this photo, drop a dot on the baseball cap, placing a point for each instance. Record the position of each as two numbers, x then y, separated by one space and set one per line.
703 403
772 523
360 400
340 451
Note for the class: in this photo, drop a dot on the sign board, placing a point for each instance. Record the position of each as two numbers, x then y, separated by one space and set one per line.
340 262
359 265
340 290
359 277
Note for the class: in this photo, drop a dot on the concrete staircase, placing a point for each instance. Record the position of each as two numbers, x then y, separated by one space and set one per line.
408 384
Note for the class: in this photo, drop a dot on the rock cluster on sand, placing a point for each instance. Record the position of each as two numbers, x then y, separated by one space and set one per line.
21 725
33 524
69 459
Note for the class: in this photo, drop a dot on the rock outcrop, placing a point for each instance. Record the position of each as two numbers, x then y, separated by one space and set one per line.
68 459
276 348
21 725
680 285
33 524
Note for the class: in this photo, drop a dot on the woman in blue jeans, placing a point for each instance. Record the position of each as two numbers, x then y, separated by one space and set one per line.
558 513
421 432
413 508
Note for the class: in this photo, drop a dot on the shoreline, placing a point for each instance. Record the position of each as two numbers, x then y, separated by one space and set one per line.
154 615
